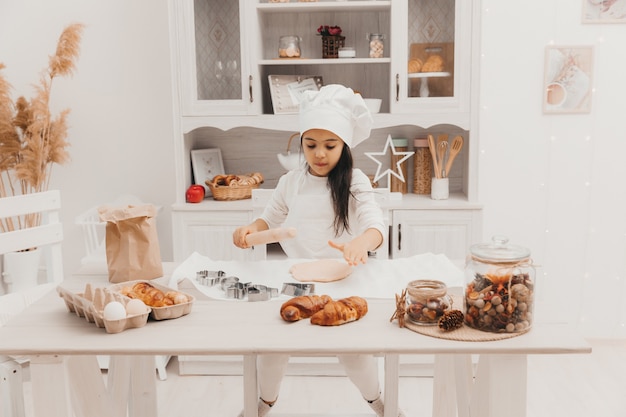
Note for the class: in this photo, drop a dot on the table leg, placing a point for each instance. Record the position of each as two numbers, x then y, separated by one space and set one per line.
250 387
392 377
143 399
500 386
11 388
452 383
87 389
48 384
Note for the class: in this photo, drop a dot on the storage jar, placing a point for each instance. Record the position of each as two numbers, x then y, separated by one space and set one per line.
422 167
500 287
289 46
396 185
426 301
377 45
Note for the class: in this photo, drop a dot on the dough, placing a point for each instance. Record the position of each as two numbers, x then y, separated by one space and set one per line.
323 270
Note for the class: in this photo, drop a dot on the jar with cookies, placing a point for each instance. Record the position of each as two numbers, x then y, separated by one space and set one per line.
376 44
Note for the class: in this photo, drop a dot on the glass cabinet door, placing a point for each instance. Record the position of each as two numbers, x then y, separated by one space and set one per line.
215 71
430 61
434 50
218 49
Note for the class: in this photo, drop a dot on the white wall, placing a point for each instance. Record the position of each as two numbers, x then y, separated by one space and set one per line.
120 99
552 183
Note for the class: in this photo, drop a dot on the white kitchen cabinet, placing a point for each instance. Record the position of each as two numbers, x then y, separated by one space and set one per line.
209 233
229 105
448 230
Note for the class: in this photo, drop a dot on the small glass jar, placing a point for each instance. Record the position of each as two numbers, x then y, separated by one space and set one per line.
426 301
377 46
289 46
500 287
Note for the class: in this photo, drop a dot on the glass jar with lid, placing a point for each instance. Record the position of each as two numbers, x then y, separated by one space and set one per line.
500 287
289 46
426 301
377 45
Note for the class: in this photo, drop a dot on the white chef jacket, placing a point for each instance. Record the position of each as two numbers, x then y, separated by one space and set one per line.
303 201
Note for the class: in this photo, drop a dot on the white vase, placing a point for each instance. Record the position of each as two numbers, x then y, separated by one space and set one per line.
20 270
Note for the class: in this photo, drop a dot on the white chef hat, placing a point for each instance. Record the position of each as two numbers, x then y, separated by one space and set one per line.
337 109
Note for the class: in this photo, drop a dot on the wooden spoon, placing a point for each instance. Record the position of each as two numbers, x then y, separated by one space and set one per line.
433 153
441 155
455 148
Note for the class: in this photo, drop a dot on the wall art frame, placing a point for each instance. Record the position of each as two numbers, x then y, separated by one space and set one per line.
568 79
206 164
604 11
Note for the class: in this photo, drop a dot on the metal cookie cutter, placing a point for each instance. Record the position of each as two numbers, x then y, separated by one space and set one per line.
296 288
227 282
261 293
209 278
237 291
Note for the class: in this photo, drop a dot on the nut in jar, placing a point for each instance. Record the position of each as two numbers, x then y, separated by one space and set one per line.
426 301
499 293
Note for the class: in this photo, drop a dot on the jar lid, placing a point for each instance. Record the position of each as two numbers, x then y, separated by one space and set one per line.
499 250
420 143
401 143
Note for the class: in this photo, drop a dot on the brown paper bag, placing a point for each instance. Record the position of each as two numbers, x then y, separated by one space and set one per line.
132 244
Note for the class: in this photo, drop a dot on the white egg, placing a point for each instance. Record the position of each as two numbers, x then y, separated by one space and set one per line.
114 311
135 306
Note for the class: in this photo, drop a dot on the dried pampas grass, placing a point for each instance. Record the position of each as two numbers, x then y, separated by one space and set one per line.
31 139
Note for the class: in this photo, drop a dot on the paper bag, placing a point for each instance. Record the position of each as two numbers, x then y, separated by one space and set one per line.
132 244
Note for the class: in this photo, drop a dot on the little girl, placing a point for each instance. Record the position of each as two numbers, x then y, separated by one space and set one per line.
332 206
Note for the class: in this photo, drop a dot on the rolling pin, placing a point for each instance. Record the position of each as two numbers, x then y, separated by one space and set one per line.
270 236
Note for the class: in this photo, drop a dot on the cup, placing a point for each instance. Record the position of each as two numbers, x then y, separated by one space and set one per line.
556 94
440 188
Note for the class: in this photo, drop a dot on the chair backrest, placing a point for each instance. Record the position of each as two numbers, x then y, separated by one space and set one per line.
47 236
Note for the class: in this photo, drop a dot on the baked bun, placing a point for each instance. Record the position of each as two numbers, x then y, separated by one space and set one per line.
434 63
415 65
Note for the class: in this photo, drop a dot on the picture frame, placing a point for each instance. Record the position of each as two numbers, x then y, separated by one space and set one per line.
568 79
285 91
604 11
206 164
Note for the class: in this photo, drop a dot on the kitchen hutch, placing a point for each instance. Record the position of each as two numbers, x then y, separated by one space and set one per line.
224 54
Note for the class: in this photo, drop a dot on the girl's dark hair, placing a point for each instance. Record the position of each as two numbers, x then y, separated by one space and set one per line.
339 181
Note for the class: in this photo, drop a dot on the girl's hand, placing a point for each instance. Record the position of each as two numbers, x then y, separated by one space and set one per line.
354 252
239 236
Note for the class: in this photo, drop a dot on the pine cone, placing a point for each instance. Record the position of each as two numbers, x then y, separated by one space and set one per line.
451 320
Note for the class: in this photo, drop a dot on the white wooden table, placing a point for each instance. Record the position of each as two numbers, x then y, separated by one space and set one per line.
63 348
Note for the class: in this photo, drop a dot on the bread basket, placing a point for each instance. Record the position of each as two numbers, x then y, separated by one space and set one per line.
234 187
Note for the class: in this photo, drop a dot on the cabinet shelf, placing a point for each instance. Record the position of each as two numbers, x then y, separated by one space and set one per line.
290 122
325 6
322 61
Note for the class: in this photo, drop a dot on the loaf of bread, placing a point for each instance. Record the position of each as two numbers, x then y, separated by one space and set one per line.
152 296
340 311
415 65
434 63
303 307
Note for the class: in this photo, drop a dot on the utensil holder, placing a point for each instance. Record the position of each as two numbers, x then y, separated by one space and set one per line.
440 188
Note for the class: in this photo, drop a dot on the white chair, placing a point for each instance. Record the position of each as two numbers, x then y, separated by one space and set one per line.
47 237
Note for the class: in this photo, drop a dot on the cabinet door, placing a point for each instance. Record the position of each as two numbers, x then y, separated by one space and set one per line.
210 234
432 49
213 71
450 232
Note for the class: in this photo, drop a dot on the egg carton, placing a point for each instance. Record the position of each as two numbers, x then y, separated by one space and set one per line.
159 313
90 305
